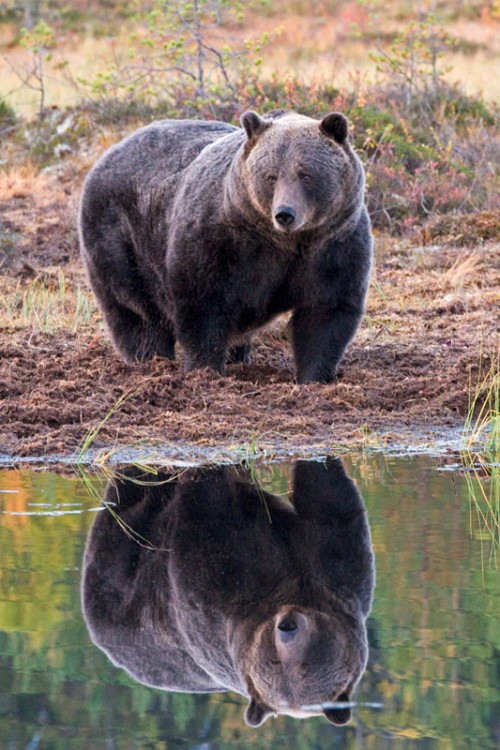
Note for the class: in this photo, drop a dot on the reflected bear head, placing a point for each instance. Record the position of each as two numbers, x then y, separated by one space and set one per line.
305 662
205 582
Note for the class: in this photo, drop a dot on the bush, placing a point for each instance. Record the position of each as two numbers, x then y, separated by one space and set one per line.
8 119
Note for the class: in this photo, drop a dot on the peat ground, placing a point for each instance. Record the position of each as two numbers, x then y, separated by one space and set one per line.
431 326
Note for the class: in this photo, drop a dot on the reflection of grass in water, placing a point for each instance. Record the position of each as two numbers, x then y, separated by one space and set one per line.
111 474
481 455
107 475
484 498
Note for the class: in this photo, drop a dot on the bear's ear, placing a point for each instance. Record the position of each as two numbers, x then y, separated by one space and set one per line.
339 716
336 126
254 125
256 713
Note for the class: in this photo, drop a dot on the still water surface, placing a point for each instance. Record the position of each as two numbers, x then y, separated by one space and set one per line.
433 673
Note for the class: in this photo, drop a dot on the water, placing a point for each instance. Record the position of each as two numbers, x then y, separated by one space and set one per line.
433 675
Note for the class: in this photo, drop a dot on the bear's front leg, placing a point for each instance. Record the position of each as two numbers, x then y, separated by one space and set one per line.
204 337
239 354
323 492
319 337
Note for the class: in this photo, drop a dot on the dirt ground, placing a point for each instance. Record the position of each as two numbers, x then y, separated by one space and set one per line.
432 322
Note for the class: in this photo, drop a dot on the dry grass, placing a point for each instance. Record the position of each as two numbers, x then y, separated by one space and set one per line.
462 270
45 304
23 181
406 373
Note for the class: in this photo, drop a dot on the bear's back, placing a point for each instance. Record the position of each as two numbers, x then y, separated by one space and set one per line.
152 155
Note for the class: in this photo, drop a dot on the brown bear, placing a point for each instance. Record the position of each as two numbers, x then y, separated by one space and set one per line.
205 582
201 232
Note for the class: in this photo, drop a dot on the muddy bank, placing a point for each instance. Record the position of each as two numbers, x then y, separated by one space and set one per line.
432 322
57 388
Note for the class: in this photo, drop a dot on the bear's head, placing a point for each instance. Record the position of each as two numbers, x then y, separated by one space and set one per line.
299 174
303 662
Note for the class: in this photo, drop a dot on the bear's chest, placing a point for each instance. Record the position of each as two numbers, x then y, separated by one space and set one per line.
261 279
270 292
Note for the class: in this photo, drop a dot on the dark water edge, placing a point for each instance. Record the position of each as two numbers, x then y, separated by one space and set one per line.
433 676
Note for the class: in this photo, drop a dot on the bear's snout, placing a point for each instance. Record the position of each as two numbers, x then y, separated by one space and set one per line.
287 624
291 627
285 216
290 209
287 629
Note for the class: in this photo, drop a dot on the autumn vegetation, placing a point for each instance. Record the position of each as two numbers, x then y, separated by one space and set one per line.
429 146
417 82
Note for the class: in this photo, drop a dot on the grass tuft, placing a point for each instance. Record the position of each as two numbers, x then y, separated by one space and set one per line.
482 425
44 304
481 456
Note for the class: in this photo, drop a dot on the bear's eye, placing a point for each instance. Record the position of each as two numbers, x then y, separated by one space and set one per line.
271 178
275 661
304 177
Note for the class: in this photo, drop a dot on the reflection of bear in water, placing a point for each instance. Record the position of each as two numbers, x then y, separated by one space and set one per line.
242 590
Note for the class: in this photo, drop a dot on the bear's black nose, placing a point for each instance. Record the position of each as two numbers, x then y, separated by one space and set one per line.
285 215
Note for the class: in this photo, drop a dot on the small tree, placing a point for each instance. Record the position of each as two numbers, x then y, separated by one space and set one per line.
181 43
413 60
39 42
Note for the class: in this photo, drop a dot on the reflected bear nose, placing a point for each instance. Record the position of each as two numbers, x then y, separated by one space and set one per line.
288 629
285 215
287 624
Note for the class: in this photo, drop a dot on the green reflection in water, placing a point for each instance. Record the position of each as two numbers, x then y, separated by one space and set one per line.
434 630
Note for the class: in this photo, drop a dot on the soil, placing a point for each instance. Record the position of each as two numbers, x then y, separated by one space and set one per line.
431 326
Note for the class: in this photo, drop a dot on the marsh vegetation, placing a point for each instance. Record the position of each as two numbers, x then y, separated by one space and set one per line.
75 80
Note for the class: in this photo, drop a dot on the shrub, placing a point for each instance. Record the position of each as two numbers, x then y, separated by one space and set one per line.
8 119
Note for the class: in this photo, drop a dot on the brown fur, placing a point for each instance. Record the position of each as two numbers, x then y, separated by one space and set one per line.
201 232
